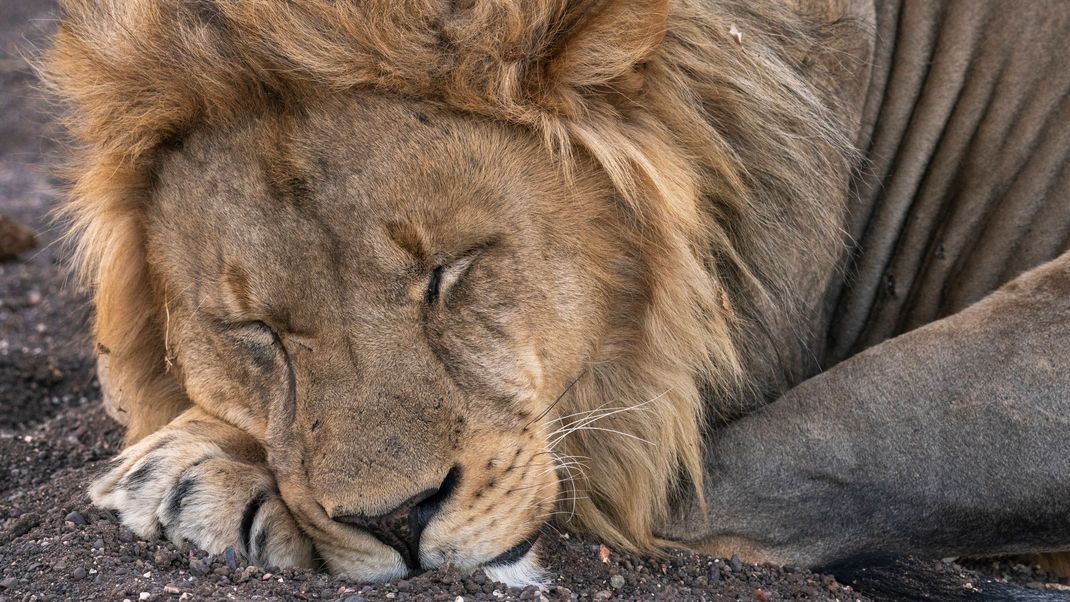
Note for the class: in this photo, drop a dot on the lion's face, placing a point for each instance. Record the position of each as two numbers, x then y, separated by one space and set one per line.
391 297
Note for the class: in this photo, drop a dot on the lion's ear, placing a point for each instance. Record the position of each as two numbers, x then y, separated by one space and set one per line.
604 43
549 55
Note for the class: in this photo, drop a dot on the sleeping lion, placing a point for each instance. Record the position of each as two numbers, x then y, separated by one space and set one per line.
392 284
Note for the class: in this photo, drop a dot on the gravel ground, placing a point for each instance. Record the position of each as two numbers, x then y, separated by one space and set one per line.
54 437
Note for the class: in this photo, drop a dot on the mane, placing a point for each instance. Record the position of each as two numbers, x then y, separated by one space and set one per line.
728 153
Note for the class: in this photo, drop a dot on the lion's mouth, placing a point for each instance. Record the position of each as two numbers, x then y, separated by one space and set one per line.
515 553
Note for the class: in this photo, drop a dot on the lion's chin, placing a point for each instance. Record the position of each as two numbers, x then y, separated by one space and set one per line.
523 572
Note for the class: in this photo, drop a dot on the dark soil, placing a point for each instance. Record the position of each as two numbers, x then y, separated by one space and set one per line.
54 436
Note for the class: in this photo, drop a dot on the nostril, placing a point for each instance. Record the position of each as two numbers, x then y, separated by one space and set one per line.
401 527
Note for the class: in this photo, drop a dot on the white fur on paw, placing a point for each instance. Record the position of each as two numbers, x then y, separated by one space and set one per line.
187 489
145 474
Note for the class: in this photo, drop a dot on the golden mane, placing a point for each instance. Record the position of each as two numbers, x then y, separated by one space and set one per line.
720 148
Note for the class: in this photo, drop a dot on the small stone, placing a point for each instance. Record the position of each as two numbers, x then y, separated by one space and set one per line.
185 596
146 597
266 577
78 574
354 598
8 583
198 568
162 558
170 589
735 563
230 557
76 518
616 581
98 544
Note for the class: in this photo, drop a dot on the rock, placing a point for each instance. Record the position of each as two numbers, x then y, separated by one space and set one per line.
162 558
8 583
78 574
14 238
170 589
230 557
616 581
354 598
76 518
198 567
735 563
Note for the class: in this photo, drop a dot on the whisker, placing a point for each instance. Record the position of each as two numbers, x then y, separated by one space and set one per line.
583 424
597 428
558 400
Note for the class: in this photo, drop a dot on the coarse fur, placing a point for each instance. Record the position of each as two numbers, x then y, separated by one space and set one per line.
719 155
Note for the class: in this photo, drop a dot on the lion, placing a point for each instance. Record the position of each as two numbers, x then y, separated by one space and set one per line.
391 285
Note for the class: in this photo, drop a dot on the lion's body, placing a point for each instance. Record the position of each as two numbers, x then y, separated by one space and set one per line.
708 203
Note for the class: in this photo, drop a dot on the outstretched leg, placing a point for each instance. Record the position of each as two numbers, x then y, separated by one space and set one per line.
206 482
951 440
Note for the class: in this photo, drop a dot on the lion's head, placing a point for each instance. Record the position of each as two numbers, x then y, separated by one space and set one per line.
477 259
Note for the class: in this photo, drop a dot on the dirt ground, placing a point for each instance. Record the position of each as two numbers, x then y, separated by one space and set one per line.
54 437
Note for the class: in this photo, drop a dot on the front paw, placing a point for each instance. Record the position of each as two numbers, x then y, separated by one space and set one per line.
188 488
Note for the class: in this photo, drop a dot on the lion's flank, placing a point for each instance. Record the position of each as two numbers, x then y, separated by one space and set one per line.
705 115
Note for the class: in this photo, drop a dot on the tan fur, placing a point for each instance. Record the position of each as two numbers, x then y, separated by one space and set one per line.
658 95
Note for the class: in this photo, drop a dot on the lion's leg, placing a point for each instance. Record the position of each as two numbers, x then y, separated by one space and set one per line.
205 482
951 440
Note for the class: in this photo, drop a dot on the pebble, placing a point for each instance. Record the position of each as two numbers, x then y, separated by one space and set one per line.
230 557
735 563
76 518
78 574
146 597
8 583
616 581
162 558
170 589
198 567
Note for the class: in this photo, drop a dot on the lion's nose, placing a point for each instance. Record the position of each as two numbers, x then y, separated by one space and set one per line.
401 527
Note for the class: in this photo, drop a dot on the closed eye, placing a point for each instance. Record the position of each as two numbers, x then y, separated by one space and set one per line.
434 285
257 332
445 277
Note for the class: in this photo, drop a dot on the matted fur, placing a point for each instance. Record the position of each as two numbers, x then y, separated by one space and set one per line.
708 140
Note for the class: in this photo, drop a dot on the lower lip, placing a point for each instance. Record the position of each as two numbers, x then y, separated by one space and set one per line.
515 553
